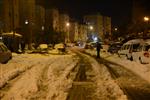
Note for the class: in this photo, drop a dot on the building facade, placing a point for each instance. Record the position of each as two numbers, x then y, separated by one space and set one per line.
97 26
27 20
73 36
52 19
82 32
64 26
107 26
40 17
10 15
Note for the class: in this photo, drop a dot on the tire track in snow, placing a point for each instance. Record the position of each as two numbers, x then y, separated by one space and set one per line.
41 94
26 84
83 87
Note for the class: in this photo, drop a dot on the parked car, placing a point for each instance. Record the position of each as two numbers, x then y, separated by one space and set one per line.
143 52
5 54
42 49
89 45
114 47
61 47
129 47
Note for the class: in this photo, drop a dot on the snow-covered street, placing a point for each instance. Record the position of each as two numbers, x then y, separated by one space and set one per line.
53 77
49 77
35 76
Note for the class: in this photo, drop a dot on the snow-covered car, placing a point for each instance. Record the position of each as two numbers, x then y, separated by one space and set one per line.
60 47
42 48
129 47
143 52
5 54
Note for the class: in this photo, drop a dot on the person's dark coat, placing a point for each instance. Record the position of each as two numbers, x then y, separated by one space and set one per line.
98 47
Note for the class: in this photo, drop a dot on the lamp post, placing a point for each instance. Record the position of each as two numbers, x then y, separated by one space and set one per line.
67 37
146 20
29 29
90 32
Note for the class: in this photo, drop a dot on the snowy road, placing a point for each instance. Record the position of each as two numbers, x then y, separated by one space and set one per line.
54 77
83 86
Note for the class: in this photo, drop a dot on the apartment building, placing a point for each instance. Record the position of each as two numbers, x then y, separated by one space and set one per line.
98 25
52 19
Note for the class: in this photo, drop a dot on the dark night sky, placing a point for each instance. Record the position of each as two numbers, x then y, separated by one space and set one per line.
118 10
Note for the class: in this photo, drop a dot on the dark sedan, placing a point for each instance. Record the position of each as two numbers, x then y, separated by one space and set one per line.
5 54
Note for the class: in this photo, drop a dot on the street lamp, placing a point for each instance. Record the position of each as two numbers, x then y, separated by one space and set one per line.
42 28
26 22
67 25
146 19
91 27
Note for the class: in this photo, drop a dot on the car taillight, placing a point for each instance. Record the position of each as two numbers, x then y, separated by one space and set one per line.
146 54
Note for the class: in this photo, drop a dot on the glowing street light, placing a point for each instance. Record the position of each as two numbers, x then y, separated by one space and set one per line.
26 22
91 27
67 24
146 19
95 38
42 28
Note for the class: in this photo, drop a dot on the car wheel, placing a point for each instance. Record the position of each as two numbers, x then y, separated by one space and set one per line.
131 58
10 57
127 57
140 59
5 62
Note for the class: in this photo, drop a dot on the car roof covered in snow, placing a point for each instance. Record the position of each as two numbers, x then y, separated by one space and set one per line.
135 41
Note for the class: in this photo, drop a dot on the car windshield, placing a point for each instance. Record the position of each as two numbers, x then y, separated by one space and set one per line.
147 47
135 47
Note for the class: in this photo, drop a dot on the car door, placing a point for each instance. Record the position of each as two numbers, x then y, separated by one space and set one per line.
137 54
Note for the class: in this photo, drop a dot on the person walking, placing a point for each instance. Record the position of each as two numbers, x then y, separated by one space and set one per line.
98 47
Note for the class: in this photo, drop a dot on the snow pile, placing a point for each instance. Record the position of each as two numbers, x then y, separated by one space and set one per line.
136 67
27 84
14 68
107 88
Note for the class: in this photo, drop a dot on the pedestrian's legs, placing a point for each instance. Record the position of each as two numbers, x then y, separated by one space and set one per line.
98 56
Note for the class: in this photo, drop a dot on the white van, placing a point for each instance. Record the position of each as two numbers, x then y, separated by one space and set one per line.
143 52
129 47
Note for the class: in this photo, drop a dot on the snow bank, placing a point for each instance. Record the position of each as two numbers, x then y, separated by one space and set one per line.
30 69
28 83
142 70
